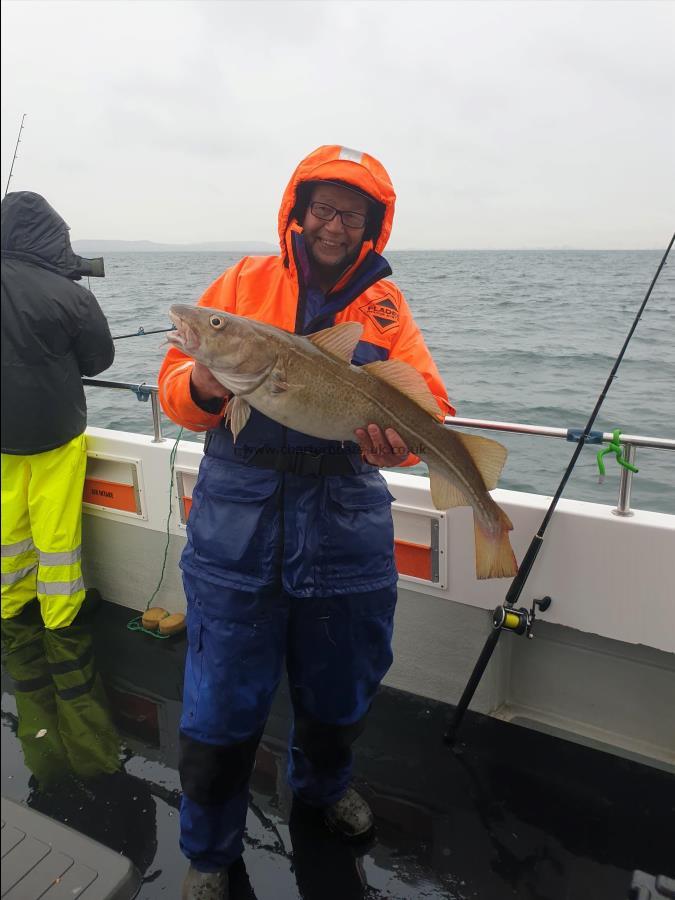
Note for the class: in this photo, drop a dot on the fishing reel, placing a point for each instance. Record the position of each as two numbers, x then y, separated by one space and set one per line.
519 621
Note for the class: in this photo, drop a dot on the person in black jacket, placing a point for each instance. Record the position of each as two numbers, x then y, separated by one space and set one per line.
53 332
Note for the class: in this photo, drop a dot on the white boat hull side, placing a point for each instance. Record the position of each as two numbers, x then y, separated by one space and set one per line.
602 665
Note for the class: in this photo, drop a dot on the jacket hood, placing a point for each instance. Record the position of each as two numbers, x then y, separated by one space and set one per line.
350 167
34 232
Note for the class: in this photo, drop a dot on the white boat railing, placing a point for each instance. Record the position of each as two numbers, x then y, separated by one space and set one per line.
143 392
629 442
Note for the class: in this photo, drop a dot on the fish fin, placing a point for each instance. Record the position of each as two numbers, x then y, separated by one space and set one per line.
340 340
444 494
243 383
278 386
494 554
237 412
277 382
489 456
407 380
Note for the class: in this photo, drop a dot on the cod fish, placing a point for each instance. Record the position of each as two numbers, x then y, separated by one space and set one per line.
309 385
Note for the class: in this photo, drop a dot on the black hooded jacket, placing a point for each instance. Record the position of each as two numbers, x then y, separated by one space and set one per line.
53 331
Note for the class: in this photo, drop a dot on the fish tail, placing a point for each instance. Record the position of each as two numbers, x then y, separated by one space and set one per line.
494 554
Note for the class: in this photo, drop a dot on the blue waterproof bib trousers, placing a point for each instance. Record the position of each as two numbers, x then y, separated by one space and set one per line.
278 567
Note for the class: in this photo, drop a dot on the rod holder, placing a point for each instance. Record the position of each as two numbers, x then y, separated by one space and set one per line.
626 482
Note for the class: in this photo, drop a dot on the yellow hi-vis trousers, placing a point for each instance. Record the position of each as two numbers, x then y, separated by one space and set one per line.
42 532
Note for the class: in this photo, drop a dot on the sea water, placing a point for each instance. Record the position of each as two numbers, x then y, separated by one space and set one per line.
519 336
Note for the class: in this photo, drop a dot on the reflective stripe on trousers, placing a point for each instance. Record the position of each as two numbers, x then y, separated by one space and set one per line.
42 532
60 696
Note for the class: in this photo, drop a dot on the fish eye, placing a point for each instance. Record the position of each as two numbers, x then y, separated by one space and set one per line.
217 322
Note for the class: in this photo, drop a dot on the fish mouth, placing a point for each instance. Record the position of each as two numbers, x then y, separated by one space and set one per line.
184 337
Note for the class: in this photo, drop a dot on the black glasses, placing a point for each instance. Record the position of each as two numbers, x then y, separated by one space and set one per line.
328 213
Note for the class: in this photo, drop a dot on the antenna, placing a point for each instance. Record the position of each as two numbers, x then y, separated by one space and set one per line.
18 141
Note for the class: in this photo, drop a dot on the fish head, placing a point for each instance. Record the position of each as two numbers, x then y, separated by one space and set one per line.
213 337
238 351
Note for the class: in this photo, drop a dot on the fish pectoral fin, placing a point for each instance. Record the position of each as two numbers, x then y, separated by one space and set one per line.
240 382
280 387
444 494
278 382
489 456
407 380
340 340
236 415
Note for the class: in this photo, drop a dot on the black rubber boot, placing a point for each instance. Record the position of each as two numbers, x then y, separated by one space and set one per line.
351 816
90 606
206 885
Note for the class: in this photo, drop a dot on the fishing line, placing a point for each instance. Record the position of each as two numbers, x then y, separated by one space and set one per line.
16 148
504 616
136 623
172 460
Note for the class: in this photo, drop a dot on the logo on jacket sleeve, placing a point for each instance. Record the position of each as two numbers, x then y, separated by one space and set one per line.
382 313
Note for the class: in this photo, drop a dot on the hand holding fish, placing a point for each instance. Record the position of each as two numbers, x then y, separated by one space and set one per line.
382 449
205 386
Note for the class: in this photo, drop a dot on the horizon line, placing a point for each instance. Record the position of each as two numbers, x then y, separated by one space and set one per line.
242 244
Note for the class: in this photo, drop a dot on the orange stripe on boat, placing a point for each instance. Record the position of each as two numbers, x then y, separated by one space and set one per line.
110 494
413 559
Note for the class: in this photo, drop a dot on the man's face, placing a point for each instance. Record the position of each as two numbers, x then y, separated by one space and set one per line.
333 245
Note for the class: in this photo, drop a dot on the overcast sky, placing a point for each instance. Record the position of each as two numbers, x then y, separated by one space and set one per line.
506 124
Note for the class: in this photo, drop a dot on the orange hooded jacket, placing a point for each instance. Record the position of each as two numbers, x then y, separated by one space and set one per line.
267 289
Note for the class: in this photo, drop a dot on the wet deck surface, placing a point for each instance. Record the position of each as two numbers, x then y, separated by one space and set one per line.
511 813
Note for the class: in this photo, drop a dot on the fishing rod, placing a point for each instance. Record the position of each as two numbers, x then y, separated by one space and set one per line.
141 332
520 621
18 141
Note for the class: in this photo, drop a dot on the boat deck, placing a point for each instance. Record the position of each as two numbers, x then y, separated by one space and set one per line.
508 813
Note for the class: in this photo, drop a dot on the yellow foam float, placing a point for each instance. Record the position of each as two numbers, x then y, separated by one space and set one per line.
172 624
152 617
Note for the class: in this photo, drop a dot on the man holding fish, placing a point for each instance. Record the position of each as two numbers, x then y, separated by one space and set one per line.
307 372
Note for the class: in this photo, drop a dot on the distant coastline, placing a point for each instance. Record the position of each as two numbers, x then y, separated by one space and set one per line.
92 247
84 247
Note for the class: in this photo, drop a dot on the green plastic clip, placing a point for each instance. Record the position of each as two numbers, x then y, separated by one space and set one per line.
614 447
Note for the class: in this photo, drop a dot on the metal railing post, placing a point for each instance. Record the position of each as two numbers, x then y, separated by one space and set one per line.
156 420
626 483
